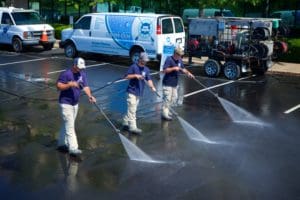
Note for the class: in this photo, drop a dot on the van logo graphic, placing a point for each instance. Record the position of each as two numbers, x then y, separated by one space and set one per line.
5 29
145 31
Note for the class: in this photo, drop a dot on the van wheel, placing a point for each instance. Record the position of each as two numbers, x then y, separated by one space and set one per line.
48 47
135 54
70 50
17 44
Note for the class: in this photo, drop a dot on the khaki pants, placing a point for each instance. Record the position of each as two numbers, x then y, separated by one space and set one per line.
130 117
169 99
67 135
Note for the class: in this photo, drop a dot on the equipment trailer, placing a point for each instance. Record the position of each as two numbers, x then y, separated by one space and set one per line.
233 45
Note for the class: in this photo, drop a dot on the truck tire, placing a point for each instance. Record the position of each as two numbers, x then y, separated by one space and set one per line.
17 44
212 68
48 47
232 70
70 50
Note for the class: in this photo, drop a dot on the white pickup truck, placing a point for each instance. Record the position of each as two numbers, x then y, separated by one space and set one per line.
20 28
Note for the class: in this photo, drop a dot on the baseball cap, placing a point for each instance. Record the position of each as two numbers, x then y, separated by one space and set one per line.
144 57
80 63
179 51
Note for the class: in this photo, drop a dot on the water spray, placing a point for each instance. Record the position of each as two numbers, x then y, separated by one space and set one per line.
132 150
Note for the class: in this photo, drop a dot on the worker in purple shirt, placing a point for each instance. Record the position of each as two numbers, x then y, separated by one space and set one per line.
172 67
70 83
137 74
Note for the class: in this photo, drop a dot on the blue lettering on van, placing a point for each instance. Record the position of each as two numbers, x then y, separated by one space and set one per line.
100 44
151 52
120 36
120 29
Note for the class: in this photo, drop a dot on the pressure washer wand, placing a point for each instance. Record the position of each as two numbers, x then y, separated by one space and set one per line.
109 121
171 109
216 95
106 85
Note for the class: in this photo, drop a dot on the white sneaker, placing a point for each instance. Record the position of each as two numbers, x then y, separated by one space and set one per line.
135 130
166 118
75 152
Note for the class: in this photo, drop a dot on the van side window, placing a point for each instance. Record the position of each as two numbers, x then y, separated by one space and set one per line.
178 26
84 23
6 19
167 26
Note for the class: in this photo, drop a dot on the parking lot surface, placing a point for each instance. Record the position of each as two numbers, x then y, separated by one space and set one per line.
242 143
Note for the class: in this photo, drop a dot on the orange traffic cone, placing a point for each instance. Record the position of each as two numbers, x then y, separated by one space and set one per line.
44 36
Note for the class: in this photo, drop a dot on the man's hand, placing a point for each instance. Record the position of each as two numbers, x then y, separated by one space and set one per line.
177 68
73 84
153 89
190 75
92 99
139 77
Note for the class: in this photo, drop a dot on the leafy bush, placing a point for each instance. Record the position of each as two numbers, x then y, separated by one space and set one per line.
293 51
58 28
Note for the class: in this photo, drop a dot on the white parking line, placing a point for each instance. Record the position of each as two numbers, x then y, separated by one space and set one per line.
215 86
89 66
292 109
25 61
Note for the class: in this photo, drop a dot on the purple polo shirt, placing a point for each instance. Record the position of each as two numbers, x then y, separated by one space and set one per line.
136 86
71 95
171 79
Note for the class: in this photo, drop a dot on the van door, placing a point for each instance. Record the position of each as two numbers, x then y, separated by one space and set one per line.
82 33
172 33
5 25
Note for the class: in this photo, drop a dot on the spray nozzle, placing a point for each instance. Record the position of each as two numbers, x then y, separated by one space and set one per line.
144 74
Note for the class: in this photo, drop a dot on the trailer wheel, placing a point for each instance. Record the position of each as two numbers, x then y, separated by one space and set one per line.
232 70
212 68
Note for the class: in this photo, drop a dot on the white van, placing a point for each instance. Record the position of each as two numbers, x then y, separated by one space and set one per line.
124 34
20 27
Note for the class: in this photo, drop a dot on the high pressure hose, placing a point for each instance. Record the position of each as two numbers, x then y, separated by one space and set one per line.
107 84
197 81
109 121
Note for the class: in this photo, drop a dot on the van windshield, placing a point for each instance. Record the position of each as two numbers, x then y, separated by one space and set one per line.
22 18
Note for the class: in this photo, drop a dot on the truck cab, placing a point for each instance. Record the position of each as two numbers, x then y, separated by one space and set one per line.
20 28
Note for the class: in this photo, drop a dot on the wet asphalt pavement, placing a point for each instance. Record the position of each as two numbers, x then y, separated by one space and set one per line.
243 161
